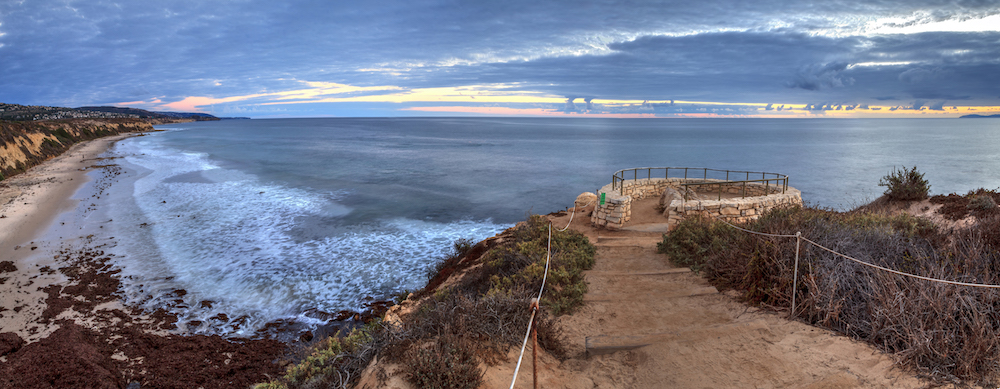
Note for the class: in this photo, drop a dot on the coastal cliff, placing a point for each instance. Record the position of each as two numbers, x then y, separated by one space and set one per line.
26 144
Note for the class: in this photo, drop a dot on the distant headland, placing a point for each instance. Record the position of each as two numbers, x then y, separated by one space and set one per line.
975 116
17 112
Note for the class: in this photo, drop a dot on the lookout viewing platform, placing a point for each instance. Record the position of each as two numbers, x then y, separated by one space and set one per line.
660 197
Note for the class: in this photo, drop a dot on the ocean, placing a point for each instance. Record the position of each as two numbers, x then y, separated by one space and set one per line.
277 219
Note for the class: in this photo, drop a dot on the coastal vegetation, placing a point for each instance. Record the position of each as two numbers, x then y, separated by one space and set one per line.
17 112
472 312
26 144
946 332
905 185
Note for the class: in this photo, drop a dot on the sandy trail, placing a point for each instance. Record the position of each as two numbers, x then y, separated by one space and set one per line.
692 336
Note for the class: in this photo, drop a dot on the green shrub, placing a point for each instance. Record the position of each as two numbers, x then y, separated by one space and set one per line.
334 361
905 185
478 319
62 136
694 240
520 265
981 203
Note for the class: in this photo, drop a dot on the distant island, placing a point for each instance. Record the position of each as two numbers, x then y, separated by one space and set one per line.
17 112
974 116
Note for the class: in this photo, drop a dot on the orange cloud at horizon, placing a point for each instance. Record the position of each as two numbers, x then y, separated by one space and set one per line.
500 94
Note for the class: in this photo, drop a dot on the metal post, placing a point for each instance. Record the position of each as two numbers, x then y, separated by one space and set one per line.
685 174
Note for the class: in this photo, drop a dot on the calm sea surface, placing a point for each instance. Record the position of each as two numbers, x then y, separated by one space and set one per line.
269 219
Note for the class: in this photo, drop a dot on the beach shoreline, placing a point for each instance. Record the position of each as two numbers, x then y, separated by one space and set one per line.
29 204
30 201
63 322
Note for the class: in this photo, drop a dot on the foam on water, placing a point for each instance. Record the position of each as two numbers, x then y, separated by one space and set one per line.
258 251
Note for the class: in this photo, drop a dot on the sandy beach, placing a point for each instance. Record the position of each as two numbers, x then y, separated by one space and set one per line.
62 321
29 203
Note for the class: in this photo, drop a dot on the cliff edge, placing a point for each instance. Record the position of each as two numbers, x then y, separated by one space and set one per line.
26 144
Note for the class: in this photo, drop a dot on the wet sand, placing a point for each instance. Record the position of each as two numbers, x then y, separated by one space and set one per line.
29 203
62 321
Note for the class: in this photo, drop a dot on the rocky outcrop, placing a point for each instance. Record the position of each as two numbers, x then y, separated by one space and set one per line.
26 144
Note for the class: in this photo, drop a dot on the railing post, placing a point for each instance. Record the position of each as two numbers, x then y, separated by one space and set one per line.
795 278
685 174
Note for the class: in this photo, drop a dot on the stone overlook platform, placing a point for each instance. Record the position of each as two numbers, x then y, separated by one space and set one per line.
734 196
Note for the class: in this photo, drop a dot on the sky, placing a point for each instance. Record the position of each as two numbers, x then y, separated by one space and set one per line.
734 58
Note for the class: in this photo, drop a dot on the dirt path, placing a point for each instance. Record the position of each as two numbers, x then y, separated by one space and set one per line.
648 324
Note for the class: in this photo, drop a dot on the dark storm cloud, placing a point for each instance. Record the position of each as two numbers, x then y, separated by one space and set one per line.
816 76
95 52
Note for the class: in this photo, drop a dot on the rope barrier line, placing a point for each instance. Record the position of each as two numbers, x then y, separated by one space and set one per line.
574 214
523 345
903 273
799 236
755 232
534 306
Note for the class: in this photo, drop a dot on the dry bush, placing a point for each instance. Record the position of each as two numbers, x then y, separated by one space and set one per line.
446 363
947 332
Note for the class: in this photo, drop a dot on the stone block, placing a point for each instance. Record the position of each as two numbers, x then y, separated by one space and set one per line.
730 211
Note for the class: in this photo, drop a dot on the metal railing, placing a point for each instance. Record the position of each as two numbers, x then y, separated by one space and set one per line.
690 173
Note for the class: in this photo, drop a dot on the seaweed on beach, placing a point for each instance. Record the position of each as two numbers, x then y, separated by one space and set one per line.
947 332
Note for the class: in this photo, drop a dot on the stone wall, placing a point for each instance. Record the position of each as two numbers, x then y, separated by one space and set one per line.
617 208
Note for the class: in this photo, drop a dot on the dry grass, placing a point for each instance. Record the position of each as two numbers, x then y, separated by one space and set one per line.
947 332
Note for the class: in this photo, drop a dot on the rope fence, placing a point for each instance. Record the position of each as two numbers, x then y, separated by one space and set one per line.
532 324
800 239
574 214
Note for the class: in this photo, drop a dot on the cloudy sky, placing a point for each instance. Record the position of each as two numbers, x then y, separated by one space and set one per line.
273 58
